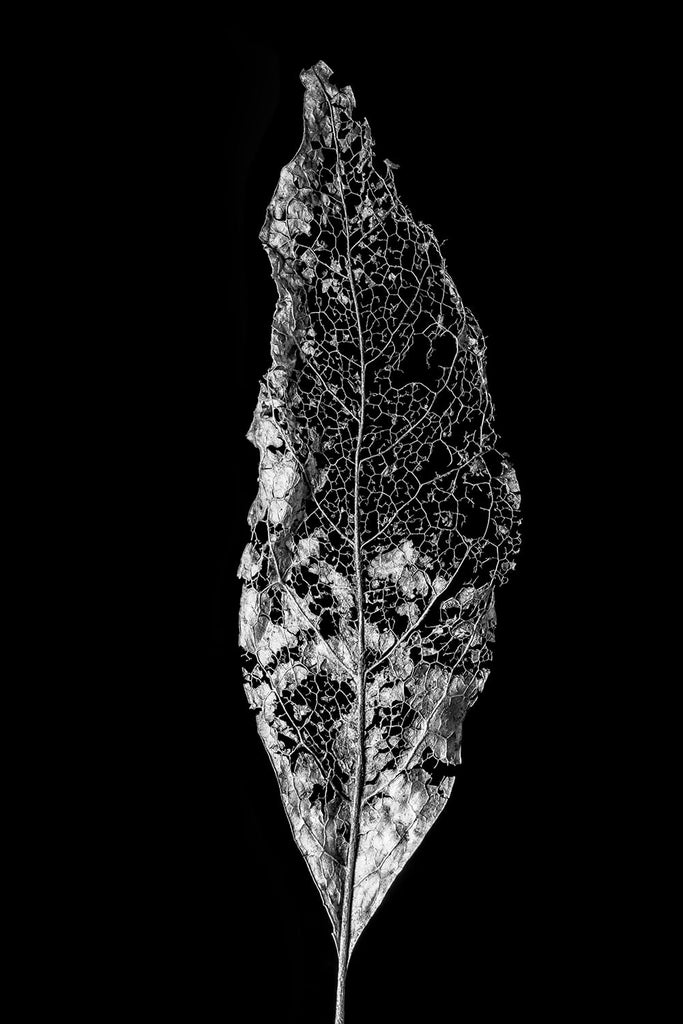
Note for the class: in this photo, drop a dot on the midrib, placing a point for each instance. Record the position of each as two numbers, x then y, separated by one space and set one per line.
358 781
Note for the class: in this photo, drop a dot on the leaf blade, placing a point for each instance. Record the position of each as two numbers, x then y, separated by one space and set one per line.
384 521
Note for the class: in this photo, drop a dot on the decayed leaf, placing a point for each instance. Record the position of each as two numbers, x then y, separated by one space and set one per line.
384 520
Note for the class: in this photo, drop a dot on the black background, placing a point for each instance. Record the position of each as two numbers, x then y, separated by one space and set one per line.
509 140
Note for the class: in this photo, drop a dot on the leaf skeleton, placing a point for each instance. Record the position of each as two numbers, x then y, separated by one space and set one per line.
386 517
